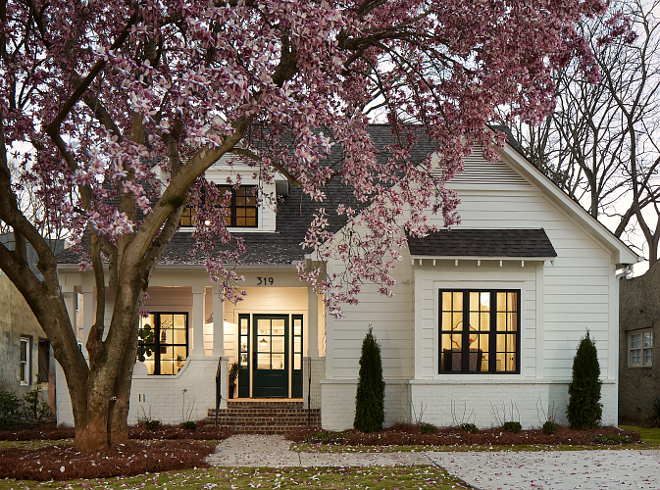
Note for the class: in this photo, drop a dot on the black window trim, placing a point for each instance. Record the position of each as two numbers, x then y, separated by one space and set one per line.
492 332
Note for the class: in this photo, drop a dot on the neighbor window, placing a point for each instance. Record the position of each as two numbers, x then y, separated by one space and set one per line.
479 331
24 364
163 342
241 205
640 348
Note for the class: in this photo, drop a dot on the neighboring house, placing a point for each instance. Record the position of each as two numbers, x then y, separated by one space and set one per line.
27 358
639 369
483 327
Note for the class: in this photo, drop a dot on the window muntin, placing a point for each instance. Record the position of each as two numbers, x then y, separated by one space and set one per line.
24 361
640 348
479 331
163 342
241 205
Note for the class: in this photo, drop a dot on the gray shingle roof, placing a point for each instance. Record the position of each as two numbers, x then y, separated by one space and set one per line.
466 242
294 215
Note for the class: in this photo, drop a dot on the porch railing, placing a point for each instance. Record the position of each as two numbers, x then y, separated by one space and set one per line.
218 390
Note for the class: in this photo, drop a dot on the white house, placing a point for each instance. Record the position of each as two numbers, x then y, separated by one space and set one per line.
484 325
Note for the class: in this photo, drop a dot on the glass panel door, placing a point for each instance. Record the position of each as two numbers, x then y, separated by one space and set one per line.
271 356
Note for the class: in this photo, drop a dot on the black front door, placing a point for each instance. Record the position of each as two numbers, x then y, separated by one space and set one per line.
270 356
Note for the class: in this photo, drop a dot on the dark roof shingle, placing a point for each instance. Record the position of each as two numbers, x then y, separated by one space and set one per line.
467 242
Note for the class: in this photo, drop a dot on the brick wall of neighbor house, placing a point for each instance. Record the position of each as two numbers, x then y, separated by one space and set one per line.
161 397
639 311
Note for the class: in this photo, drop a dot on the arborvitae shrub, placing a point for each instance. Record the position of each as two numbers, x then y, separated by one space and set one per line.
370 395
584 408
513 427
425 428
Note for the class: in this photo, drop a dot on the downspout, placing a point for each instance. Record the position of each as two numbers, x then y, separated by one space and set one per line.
624 273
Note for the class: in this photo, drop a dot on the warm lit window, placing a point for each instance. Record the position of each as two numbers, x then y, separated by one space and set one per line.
479 331
163 342
640 348
24 364
241 206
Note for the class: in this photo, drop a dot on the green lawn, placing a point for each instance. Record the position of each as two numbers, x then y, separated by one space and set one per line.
378 477
650 437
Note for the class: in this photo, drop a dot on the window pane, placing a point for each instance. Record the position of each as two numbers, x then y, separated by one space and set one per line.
446 321
179 336
297 326
447 301
635 340
297 360
457 301
278 344
648 339
264 344
278 361
263 361
297 345
263 326
648 356
457 322
485 321
636 356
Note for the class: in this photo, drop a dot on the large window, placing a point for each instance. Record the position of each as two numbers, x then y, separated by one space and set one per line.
640 348
24 366
163 342
479 331
241 205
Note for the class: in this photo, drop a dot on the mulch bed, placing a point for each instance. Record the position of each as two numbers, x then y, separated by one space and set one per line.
410 435
171 448
165 449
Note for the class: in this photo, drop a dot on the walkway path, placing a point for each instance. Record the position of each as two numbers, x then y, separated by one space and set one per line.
506 470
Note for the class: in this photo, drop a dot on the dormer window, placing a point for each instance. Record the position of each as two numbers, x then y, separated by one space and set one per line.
242 208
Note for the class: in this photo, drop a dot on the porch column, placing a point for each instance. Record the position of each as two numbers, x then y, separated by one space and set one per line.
218 322
312 324
69 294
88 318
198 322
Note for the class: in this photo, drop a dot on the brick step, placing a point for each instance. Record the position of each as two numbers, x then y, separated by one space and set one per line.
265 418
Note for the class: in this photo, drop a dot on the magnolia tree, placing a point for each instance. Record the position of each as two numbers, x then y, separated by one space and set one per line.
112 111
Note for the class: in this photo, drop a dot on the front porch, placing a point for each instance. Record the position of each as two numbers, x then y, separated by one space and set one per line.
276 335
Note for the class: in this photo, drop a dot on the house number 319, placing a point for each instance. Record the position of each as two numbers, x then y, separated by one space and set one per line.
265 281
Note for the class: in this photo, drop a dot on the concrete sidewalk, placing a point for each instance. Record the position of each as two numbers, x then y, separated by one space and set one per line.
505 470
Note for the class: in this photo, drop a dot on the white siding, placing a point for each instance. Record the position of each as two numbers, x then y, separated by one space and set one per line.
560 299
391 320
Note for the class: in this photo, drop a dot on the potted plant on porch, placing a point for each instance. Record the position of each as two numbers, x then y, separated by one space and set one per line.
233 374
